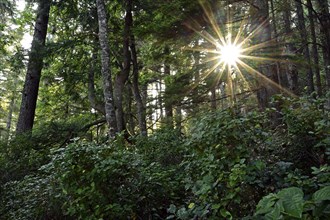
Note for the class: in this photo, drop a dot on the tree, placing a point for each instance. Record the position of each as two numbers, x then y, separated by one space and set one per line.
122 77
106 71
260 11
304 46
35 65
141 110
315 53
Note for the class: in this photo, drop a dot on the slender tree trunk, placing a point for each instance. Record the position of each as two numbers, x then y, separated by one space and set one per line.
213 98
178 117
91 87
280 76
325 29
130 118
122 77
195 92
141 110
106 71
260 10
33 74
304 40
167 97
314 48
292 73
10 117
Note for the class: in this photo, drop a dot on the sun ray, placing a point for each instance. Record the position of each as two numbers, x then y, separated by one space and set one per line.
240 30
245 82
200 49
253 33
258 58
209 71
208 12
264 78
259 46
201 33
232 50
210 59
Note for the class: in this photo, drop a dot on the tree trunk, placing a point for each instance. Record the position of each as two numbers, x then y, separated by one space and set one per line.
292 73
33 74
325 29
130 118
178 117
260 10
10 117
314 48
213 98
167 97
122 77
141 110
195 91
304 41
91 88
106 71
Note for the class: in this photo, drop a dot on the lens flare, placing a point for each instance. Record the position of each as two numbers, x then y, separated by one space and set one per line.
229 53
227 50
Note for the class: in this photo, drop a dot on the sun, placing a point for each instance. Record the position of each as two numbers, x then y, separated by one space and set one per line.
229 53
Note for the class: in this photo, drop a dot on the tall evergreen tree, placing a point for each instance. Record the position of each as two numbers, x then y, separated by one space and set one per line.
35 65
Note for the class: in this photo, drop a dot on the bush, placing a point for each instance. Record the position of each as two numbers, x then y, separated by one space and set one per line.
101 181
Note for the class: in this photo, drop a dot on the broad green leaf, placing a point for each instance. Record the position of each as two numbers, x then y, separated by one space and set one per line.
293 201
275 214
322 194
266 204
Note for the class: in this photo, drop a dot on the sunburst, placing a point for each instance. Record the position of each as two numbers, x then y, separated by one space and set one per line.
231 55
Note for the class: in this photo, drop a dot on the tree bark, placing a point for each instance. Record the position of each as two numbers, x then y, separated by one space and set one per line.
292 73
213 98
122 77
304 40
325 29
314 48
91 88
141 110
260 10
110 114
10 117
167 97
35 65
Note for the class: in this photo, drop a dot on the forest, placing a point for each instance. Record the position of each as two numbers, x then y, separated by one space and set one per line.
164 109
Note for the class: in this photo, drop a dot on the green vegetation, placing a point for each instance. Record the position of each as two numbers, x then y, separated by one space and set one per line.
226 165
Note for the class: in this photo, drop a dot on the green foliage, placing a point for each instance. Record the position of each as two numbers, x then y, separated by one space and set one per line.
224 164
101 181
290 203
303 136
219 167
33 197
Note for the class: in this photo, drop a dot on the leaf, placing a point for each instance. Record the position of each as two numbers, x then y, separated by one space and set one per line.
275 213
322 194
293 201
216 206
191 205
266 204
171 209
224 213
